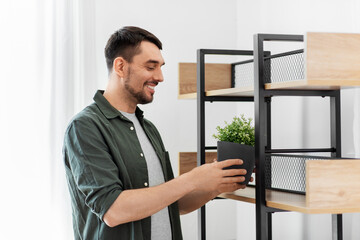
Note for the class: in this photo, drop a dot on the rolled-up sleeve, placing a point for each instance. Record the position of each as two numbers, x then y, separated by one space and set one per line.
92 169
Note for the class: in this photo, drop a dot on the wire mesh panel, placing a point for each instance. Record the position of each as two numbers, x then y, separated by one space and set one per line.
244 74
288 66
287 172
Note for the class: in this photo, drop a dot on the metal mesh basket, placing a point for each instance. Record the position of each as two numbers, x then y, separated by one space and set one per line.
285 67
244 74
287 172
288 66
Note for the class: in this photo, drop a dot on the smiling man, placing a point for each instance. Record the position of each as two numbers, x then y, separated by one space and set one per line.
118 171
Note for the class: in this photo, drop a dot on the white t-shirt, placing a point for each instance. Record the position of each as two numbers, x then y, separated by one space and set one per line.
160 221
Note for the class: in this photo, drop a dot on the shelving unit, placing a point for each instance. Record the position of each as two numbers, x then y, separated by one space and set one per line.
328 63
332 187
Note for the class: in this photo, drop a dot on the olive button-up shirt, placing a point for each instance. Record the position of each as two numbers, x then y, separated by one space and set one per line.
102 156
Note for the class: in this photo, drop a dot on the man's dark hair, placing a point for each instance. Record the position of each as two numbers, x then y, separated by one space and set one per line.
125 43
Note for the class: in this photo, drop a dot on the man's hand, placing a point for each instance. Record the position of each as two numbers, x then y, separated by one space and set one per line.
213 178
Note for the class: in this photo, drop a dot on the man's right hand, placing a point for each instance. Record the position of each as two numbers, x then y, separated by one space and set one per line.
212 177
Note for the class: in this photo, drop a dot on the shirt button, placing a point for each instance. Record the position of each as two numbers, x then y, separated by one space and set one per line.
131 128
145 184
141 154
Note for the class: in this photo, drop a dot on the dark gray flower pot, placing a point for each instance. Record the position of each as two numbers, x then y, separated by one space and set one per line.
230 150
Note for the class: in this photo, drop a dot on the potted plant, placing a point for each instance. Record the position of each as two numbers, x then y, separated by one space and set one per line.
237 140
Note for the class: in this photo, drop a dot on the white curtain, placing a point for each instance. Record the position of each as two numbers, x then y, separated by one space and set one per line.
41 88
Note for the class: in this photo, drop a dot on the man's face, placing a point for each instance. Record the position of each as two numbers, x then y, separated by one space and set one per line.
144 73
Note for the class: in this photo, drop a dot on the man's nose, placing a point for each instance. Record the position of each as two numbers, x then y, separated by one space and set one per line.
158 76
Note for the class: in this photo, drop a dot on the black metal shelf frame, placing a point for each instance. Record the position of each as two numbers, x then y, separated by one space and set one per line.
201 99
262 104
262 99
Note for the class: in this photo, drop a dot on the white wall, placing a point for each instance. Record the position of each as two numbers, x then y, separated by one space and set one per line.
185 26
294 115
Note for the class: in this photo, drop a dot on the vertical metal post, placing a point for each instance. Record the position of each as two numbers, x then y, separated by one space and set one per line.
269 219
267 79
337 231
232 75
260 141
268 142
201 132
268 165
335 123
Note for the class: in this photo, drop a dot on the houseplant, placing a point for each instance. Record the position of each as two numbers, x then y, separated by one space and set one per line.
237 140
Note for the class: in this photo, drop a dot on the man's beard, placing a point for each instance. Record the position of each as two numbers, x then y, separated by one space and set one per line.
141 96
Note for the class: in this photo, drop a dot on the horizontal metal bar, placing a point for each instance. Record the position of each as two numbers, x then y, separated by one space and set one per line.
272 210
210 147
226 52
271 56
243 62
228 99
266 54
218 198
284 54
302 150
280 37
304 93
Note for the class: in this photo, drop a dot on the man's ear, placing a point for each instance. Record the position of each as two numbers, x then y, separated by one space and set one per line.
119 66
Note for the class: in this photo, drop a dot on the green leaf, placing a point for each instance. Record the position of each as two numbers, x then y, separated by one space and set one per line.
240 130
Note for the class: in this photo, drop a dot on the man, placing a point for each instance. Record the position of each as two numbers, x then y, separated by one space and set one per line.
118 171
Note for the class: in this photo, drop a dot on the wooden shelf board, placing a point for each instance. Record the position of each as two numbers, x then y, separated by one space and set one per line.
188 160
332 183
288 85
300 85
187 96
312 84
286 201
241 92
244 195
333 56
218 76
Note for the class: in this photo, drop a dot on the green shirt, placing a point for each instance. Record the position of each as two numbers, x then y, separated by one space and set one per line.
102 158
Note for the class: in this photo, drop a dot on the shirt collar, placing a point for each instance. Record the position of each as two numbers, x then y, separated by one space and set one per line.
108 110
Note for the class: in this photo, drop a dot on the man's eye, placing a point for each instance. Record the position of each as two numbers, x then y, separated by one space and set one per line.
150 68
